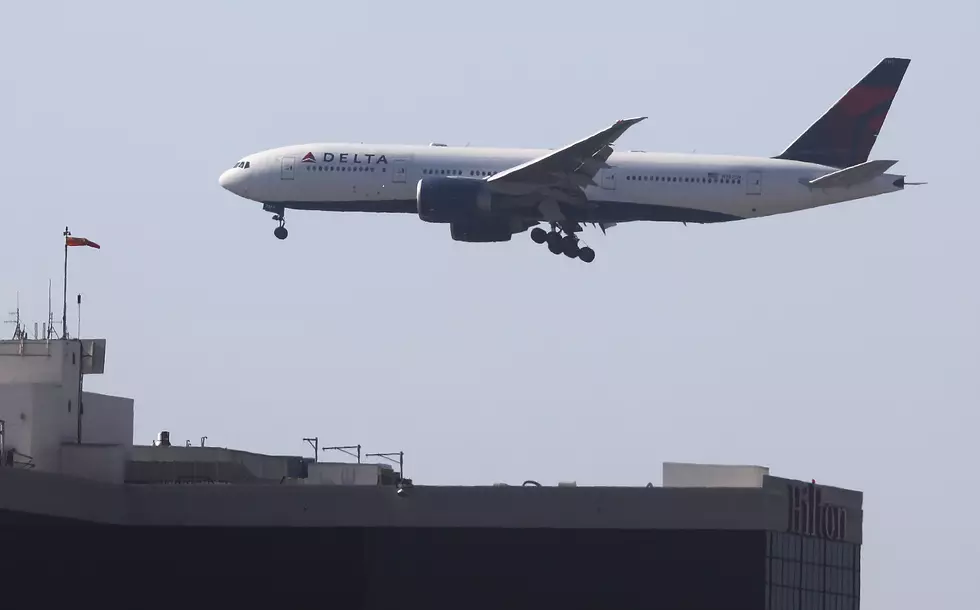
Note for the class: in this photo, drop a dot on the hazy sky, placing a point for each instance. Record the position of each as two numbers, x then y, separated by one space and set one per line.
839 344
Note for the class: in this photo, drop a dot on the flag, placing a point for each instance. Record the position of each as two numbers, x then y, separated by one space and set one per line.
81 241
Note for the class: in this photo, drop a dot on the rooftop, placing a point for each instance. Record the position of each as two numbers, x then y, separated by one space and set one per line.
66 463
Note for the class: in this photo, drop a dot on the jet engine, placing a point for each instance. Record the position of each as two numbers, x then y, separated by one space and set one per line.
448 200
483 230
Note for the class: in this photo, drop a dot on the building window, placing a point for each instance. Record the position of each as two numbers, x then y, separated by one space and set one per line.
806 572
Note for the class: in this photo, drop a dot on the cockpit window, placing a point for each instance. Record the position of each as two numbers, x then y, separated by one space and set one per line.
247 163
243 164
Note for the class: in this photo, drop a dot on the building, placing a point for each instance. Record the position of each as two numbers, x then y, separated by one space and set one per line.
712 536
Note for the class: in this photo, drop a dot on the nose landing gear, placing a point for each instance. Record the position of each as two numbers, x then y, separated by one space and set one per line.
567 244
279 215
280 231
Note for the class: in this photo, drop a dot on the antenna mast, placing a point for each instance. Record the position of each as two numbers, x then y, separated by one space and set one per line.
50 329
64 311
19 333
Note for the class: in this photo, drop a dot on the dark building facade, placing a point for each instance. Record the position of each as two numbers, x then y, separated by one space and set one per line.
781 545
811 573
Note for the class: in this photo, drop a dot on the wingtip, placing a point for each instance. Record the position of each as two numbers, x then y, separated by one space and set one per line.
632 121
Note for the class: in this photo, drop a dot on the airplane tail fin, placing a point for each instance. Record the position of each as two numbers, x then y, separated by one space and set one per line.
845 134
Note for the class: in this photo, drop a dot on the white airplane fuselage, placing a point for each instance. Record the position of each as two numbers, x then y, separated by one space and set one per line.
636 185
491 194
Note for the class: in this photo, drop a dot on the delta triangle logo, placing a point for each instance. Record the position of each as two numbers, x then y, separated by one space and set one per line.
309 158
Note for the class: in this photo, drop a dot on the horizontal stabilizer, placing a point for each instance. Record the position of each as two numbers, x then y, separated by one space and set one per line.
850 176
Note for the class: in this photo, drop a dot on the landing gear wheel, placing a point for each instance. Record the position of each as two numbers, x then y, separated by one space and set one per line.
586 254
569 246
539 235
555 243
280 217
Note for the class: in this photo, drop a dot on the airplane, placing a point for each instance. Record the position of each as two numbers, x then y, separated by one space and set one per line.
491 194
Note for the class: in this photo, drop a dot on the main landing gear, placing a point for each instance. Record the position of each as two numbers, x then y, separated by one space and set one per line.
567 244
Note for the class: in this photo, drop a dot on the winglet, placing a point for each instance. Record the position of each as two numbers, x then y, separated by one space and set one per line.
632 121
619 127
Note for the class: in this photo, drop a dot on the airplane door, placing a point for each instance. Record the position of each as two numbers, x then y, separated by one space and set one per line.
400 171
753 186
288 163
608 180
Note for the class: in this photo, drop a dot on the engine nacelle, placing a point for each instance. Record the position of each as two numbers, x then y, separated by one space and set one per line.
443 200
481 230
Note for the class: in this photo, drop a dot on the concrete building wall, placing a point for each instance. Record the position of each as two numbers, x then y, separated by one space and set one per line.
678 474
270 503
16 406
107 420
54 362
270 467
59 495
37 421
52 424
343 474
39 404
104 463
340 506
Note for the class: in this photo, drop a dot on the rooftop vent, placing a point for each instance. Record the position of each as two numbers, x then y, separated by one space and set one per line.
163 439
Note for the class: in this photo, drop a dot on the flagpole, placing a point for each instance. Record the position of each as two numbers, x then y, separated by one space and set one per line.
64 309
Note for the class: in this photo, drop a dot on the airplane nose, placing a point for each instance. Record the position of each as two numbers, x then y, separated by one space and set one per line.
233 180
225 179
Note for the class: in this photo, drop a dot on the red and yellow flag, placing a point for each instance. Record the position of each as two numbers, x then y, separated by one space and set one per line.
81 241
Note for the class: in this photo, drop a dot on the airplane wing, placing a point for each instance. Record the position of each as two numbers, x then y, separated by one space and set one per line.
562 174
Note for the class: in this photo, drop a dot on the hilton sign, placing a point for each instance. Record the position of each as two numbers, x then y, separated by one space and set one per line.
808 515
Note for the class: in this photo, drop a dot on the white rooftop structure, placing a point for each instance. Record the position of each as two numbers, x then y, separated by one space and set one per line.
679 474
48 423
